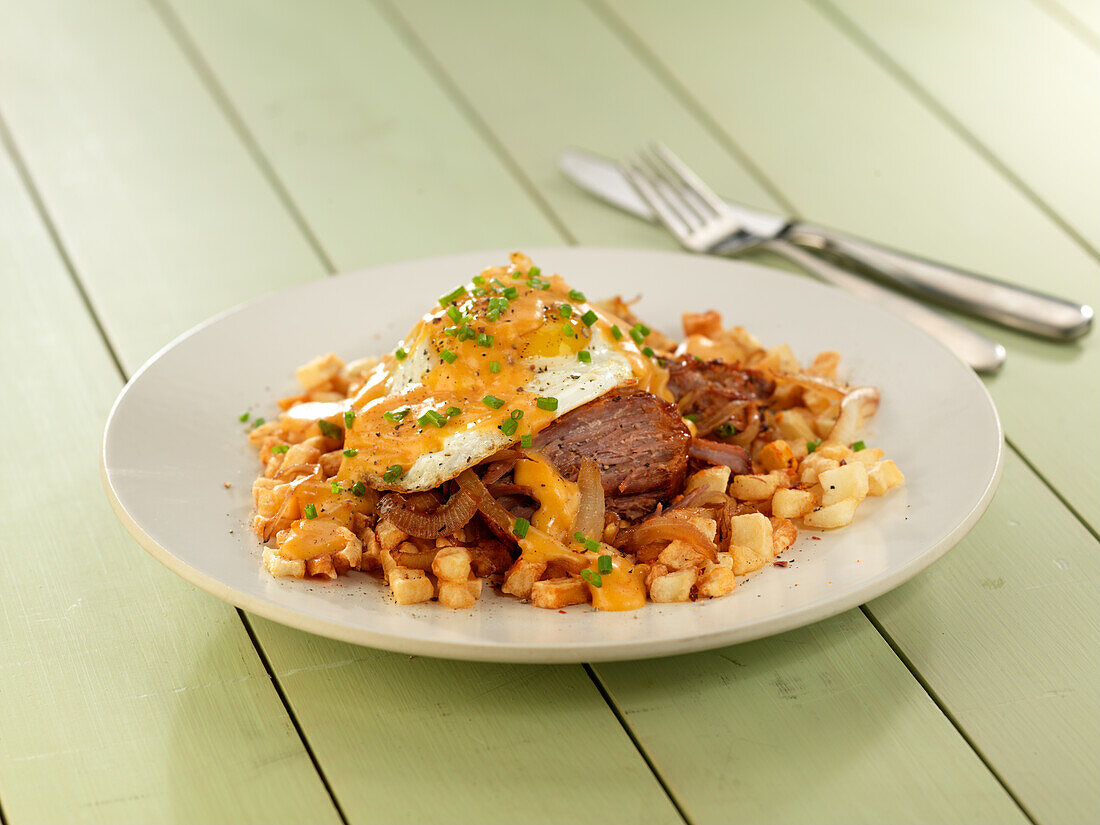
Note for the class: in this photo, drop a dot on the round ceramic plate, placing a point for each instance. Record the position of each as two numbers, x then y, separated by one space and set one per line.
179 470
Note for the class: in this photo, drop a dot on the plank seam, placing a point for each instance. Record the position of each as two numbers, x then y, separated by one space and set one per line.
946 713
290 713
1070 22
7 140
408 34
1058 495
864 42
206 75
637 744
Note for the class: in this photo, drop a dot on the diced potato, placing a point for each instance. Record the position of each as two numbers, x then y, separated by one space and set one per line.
679 555
389 534
321 369
814 464
825 364
752 530
884 476
348 557
560 592
796 428
452 564
835 515
779 358
784 534
285 568
754 487
521 577
717 580
712 478
410 586
654 572
777 455
868 456
321 567
833 449
746 559
673 587
849 481
792 503
459 595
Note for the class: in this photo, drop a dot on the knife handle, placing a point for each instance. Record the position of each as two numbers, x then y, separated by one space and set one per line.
982 354
997 301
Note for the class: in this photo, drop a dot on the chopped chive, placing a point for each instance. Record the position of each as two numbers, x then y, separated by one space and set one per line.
349 419
259 422
565 310
392 474
484 340
592 578
329 430
726 430
637 335
548 403
451 297
479 292
603 564
452 331
494 367
511 293
642 328
518 274
525 440
534 272
359 488
431 417
544 285
280 448
520 527
466 333
517 415
492 315
590 318
616 333
453 411
509 426
576 295
647 351
584 356
400 354
336 488
454 313
492 402
448 356
244 416
350 453
310 511
692 417
579 536
859 445
568 330
396 415
591 545
479 280
812 445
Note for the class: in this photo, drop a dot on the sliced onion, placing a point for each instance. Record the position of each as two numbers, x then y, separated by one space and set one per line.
498 490
458 510
498 469
663 529
687 399
855 408
701 498
722 455
590 512
720 416
424 501
752 428
499 519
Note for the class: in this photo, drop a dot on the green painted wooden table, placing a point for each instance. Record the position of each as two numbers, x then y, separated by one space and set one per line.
162 160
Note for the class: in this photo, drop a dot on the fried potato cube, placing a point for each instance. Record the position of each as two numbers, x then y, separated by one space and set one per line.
489 557
717 580
796 428
834 450
745 559
868 457
697 519
452 564
712 478
779 358
410 586
752 530
348 557
521 577
784 534
777 455
813 465
459 595
559 592
679 555
283 568
792 503
321 567
389 534
754 487
832 516
825 364
321 369
849 481
673 587
884 476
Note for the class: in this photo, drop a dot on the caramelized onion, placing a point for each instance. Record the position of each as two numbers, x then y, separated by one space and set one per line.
723 455
752 429
856 407
458 510
499 518
687 399
663 529
700 497
720 416
590 512
498 469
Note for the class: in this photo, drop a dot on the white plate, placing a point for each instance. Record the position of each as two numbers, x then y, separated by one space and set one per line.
173 440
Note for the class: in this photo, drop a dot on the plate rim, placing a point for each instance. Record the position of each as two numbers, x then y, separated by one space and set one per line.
562 653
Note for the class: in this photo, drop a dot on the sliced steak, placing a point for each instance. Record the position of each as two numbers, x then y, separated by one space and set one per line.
715 389
638 441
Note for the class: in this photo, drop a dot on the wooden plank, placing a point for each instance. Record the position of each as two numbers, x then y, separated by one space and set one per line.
985 606
1028 83
128 696
342 707
229 64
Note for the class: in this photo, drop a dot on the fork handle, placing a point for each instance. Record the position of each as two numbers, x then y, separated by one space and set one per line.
997 301
982 354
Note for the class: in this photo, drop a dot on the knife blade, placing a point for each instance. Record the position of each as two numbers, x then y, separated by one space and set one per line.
978 295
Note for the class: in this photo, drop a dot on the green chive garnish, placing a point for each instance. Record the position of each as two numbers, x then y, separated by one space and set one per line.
453 411
494 367
451 297
454 313
647 351
492 402
259 422
509 427
534 272
492 315
520 527
576 295
616 333
568 330
396 415
350 453
812 445
548 403
603 564
726 430
431 417
392 474
349 419
336 488
479 280
400 354
244 416
591 545
310 511
448 356
592 578
692 417
280 448
517 415
584 356
579 536
466 333
525 440
565 310
859 445
329 430
484 340
511 293
359 488
636 334
589 318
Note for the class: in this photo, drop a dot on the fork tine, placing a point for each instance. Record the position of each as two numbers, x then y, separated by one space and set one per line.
692 181
675 195
672 221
